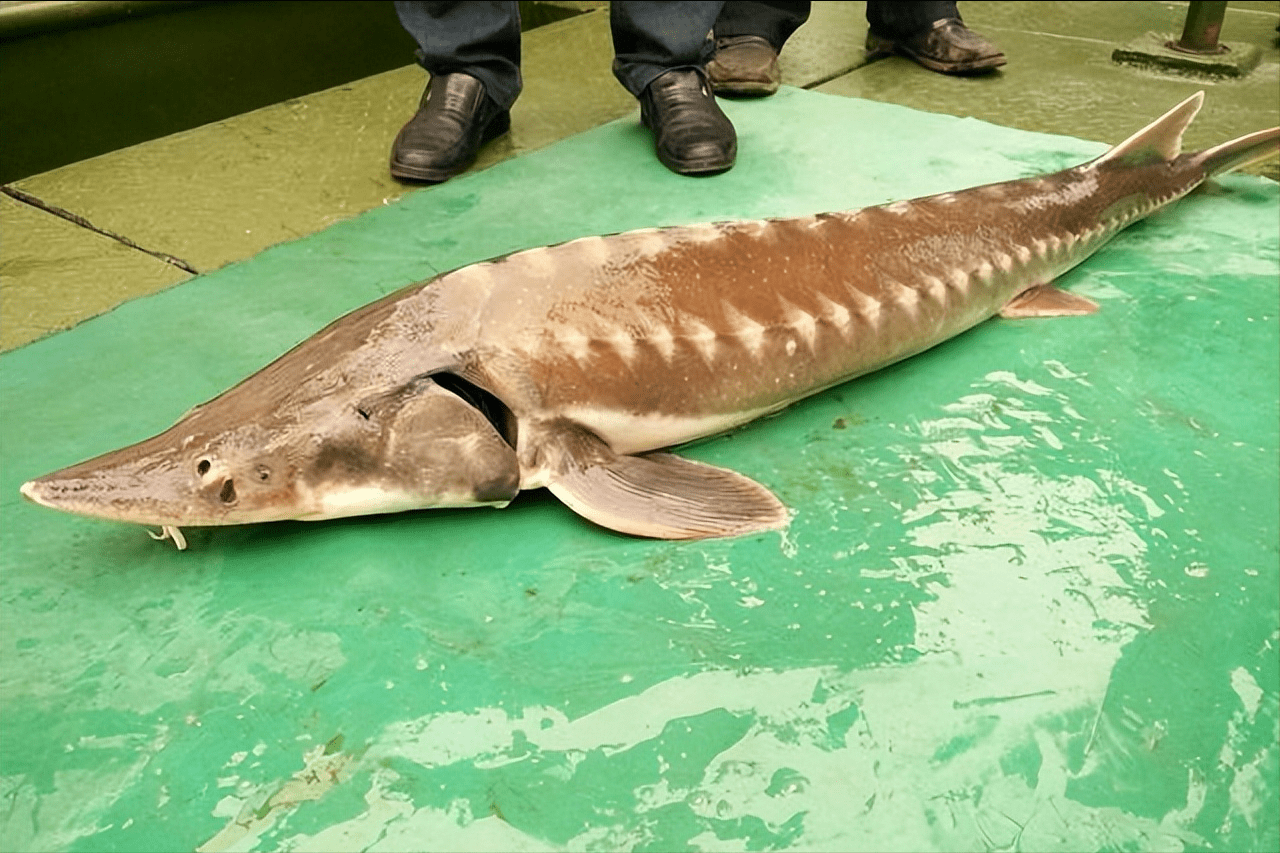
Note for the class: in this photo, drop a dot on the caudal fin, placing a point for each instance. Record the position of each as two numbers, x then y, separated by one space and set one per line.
1239 152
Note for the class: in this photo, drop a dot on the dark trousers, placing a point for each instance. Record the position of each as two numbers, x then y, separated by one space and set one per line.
774 21
777 20
899 19
483 39
480 38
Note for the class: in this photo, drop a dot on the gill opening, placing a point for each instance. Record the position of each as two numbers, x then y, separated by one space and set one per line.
501 418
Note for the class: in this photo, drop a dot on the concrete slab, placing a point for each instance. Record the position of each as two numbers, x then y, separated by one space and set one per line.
227 190
1157 52
293 168
831 43
1098 20
144 70
54 274
1059 81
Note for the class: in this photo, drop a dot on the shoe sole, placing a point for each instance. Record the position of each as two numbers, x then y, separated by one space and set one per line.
740 89
697 170
405 172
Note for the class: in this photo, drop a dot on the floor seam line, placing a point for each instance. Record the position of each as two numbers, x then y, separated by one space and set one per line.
828 78
33 201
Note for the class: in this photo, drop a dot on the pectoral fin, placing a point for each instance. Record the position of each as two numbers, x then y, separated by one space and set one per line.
1045 300
659 495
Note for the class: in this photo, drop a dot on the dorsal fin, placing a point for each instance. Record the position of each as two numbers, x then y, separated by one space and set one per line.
1159 141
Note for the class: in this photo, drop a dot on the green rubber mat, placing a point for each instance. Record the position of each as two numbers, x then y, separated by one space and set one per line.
1028 600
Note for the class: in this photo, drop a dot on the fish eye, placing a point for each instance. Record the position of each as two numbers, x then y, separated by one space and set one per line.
203 466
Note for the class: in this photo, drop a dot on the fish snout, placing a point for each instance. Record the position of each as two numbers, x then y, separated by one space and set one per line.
31 491
111 495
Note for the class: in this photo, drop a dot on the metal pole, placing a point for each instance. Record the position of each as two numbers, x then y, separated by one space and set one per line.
1204 24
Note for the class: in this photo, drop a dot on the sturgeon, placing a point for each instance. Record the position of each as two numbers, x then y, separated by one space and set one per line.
572 366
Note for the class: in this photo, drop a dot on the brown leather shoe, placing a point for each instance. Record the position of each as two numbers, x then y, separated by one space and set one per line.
454 118
948 47
690 134
744 67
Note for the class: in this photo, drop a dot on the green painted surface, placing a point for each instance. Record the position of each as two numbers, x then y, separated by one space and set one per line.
1028 600
1061 78
63 273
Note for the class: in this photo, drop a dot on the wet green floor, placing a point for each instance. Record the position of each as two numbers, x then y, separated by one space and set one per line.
1028 598
1028 601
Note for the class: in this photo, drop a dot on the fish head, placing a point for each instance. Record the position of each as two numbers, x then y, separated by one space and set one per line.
414 446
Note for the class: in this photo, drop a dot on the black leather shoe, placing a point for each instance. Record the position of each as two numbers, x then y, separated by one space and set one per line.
690 133
948 47
454 118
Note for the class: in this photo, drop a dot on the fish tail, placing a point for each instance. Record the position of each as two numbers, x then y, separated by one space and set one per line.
1239 152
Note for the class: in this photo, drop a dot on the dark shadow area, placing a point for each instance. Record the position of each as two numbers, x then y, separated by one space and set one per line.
87 87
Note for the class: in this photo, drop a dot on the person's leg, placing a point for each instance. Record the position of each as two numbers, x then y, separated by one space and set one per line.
659 53
902 18
480 39
749 35
772 20
472 51
930 32
652 38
